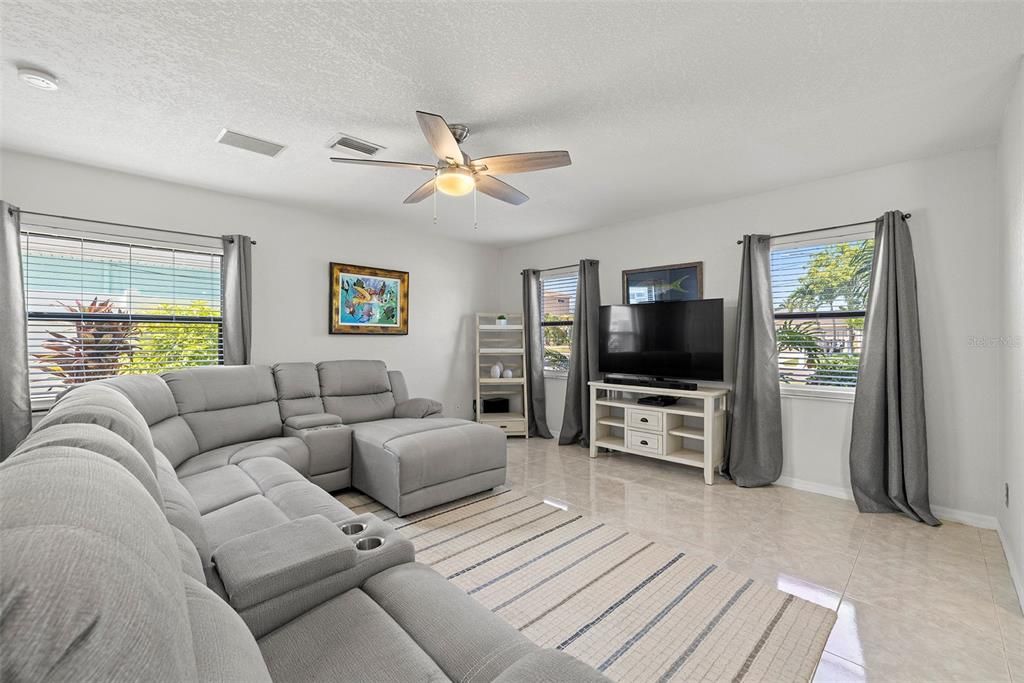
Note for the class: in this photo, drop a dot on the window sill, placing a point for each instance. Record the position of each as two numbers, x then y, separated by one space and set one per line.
551 374
817 393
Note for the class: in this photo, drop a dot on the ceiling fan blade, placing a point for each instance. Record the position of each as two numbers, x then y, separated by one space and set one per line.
421 193
499 190
522 163
392 164
441 140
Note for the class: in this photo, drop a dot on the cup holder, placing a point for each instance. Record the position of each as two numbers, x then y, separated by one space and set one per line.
353 528
369 543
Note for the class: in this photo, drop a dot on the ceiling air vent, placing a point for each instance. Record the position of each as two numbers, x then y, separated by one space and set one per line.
343 142
248 142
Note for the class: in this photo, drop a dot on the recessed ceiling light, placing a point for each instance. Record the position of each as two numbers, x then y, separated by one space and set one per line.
38 79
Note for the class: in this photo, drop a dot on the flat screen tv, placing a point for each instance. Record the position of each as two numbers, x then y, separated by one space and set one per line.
666 339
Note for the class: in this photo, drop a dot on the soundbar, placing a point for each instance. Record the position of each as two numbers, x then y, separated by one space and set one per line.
655 382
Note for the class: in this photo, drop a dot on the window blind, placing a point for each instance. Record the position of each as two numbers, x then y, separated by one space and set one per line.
99 308
558 306
819 293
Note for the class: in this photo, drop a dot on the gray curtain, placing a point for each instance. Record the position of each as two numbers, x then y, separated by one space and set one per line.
236 299
537 424
754 456
888 445
583 359
15 408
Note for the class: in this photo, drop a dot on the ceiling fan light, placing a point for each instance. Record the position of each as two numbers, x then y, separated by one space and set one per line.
455 181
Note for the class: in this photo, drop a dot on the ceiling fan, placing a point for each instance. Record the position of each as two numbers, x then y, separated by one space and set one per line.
456 174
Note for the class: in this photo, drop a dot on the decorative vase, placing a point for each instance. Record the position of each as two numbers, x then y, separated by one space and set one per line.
507 374
496 370
502 321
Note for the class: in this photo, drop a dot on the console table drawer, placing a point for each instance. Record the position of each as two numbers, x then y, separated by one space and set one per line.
510 426
639 418
644 441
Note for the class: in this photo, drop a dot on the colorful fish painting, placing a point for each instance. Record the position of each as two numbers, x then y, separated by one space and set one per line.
368 300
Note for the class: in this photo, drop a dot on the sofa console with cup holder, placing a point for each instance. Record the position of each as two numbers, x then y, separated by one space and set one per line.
177 528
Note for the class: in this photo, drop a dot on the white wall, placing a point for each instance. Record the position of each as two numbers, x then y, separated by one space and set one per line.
449 280
957 243
1011 168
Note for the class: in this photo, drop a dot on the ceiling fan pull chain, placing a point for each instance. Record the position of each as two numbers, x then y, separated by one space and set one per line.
435 196
475 224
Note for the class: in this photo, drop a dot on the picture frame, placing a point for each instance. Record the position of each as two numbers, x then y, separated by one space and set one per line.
367 300
676 282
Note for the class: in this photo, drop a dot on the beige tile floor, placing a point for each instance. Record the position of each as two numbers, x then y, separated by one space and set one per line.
915 603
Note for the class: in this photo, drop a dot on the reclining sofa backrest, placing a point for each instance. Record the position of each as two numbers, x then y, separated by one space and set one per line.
195 410
226 405
101 576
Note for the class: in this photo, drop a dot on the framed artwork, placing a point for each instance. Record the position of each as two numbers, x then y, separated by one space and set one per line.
368 300
679 282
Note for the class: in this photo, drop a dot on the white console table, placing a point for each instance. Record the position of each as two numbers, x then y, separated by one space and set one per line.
689 432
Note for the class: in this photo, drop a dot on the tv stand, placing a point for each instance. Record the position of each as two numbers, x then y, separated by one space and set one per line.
688 432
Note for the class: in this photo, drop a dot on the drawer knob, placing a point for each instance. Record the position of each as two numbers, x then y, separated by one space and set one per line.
643 442
643 419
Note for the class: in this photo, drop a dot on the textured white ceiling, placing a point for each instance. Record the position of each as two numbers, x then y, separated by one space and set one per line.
662 105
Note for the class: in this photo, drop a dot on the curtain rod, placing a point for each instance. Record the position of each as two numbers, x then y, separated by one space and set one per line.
122 225
831 227
545 270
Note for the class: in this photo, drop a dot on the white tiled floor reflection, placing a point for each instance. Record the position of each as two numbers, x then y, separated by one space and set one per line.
914 603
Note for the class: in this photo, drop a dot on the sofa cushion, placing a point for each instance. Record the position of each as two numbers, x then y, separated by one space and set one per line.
180 509
101 405
93 437
298 389
90 573
240 518
419 453
356 390
216 488
348 638
174 438
469 643
291 450
224 648
148 393
226 405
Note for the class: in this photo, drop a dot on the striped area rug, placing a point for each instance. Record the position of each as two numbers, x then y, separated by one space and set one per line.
633 609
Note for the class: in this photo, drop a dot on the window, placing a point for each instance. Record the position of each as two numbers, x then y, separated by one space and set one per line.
99 308
558 304
819 294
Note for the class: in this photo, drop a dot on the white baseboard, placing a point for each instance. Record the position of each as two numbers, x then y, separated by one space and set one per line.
948 514
814 487
1016 573
971 518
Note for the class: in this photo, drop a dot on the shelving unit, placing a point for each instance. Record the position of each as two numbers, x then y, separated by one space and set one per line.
507 345
689 432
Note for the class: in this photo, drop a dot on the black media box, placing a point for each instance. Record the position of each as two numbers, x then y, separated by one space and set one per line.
495 405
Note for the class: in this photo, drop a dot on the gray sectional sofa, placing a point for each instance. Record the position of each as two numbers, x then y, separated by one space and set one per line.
338 423
162 529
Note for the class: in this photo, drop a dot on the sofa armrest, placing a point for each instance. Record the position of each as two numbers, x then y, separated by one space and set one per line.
264 617
268 563
299 422
418 407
